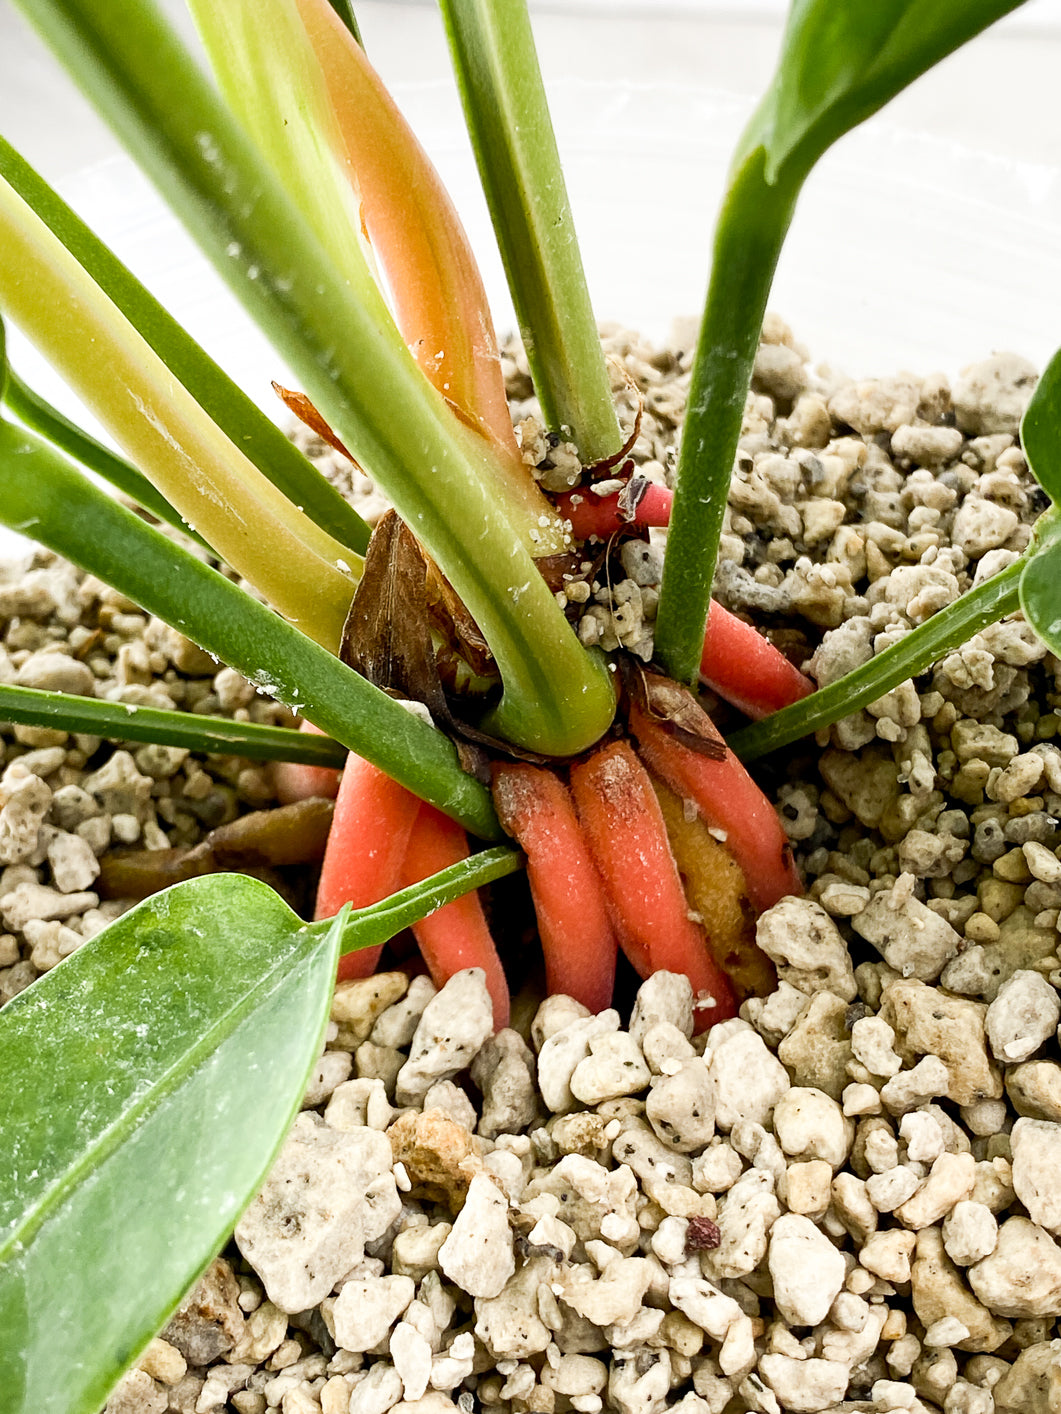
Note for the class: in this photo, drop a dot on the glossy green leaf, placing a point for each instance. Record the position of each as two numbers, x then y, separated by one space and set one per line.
1040 432
1040 429
148 1081
164 1059
841 60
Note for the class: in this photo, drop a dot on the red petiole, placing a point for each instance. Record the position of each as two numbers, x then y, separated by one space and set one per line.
730 801
737 662
366 849
627 837
454 936
577 938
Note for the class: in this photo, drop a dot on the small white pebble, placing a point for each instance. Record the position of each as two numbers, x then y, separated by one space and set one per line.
945 1332
861 1099
970 1232
923 1135
888 1190
1023 1016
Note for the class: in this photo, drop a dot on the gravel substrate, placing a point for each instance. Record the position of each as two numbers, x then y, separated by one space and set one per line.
848 1198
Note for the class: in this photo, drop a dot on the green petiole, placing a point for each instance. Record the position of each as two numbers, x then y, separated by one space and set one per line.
122 721
508 119
751 230
306 574
260 440
368 927
41 417
912 654
839 63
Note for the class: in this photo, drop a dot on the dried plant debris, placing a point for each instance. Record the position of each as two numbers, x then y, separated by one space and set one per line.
844 1200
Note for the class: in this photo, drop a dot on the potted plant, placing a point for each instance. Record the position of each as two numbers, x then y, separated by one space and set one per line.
237 986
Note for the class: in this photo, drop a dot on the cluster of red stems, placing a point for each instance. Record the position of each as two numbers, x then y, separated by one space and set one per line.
601 870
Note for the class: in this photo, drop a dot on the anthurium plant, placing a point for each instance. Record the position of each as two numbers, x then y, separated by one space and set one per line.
437 660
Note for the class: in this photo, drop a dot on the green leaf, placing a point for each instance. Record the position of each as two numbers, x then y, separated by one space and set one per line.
1040 429
1040 586
125 721
149 1080
1040 432
164 1059
507 115
909 656
41 495
260 440
841 60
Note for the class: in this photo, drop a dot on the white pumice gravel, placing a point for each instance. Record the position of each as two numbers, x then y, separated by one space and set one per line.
844 1201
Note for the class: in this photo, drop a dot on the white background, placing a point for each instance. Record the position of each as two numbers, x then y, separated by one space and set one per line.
926 239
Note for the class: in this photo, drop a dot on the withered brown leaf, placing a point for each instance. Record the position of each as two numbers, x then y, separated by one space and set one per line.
676 710
305 411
